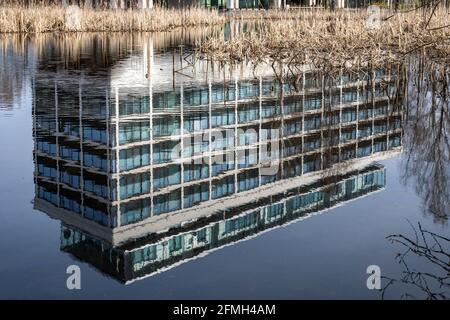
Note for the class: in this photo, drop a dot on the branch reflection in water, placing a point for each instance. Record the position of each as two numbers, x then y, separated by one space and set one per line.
427 131
422 247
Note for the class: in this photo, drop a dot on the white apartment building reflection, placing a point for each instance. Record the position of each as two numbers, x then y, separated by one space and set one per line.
105 166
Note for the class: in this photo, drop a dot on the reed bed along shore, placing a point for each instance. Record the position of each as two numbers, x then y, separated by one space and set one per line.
17 19
334 40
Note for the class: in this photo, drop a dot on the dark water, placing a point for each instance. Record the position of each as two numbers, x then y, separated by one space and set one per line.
88 125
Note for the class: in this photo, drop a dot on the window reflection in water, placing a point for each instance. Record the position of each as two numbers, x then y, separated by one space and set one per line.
105 163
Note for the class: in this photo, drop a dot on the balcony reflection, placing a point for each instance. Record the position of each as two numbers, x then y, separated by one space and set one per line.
157 252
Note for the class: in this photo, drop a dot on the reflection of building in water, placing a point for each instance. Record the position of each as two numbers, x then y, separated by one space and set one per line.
155 253
104 141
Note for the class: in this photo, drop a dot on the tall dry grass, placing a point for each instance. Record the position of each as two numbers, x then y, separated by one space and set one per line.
52 18
343 39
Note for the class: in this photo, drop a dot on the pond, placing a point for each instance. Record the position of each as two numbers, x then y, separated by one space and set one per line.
166 176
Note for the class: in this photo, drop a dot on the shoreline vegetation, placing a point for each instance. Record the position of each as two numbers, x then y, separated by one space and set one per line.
336 42
45 19
288 41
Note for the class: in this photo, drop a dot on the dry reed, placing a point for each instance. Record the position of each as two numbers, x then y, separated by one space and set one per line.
52 18
333 40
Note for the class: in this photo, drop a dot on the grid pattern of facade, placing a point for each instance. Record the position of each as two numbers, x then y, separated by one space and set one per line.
107 154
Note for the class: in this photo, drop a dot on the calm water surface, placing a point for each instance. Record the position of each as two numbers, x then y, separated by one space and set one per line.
88 125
